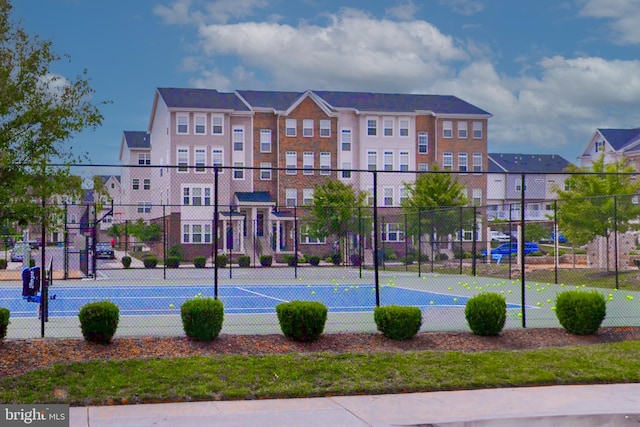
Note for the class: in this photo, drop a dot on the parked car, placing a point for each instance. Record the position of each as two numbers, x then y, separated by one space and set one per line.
561 238
498 236
105 250
19 250
512 249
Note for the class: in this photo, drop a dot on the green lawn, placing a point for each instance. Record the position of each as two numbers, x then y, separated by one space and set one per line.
318 374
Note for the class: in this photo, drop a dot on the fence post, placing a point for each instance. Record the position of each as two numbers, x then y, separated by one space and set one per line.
164 241
474 243
406 244
522 246
295 240
44 294
376 270
360 241
65 250
556 257
215 232
461 239
419 244
615 238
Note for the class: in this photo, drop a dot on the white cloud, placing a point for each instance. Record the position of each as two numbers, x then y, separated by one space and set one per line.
624 16
202 12
178 13
464 7
404 11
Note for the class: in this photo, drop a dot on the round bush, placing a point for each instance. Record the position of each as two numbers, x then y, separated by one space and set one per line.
398 322
486 313
99 321
4 322
266 260
202 318
302 320
313 260
221 260
150 262
244 261
291 260
172 262
3 264
581 312
126 261
200 262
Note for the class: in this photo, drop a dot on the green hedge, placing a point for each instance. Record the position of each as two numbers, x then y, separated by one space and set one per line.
99 321
398 322
221 260
302 320
486 313
581 312
200 262
4 322
244 261
202 318
150 261
126 261
266 260
172 262
313 260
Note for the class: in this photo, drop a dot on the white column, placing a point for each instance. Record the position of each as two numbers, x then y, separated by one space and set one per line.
278 236
224 235
241 234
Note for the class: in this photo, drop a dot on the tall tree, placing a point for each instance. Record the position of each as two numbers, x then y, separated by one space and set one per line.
40 112
594 199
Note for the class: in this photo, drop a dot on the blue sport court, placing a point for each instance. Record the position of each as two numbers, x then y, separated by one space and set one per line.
240 299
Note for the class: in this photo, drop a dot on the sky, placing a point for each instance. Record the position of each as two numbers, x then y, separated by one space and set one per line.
550 71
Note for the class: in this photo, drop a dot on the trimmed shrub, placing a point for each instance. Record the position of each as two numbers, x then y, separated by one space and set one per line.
581 312
314 260
336 258
200 261
291 260
398 322
172 262
442 257
202 318
302 320
244 260
266 260
221 260
99 321
486 313
4 322
3 264
356 260
150 261
175 251
126 261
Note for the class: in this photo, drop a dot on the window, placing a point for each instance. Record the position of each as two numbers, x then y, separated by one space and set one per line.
388 196
447 161
307 127
186 233
345 139
265 171
463 162
307 162
462 130
370 199
265 140
238 173
404 194
372 127
423 167
447 129
423 142
404 127
200 124
599 146
238 139
183 159
217 159
477 196
196 233
200 159
183 124
135 183
144 207
387 127
291 162
290 127
387 159
372 160
325 128
146 184
307 239
307 196
477 162
196 196
216 125
477 130
392 232
519 185
325 163
291 197
404 161
144 158
346 170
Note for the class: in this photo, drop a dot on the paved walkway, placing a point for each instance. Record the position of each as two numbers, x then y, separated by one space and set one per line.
558 406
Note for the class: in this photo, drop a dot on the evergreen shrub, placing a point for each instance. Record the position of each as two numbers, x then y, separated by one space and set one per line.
581 312
99 321
486 313
302 320
398 322
202 318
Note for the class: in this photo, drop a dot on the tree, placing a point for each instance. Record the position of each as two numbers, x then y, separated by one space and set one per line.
434 205
336 210
595 199
146 233
40 112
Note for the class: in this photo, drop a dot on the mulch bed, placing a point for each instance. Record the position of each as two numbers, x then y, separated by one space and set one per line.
20 356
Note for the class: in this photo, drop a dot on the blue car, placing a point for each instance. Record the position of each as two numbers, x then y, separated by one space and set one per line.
561 238
512 249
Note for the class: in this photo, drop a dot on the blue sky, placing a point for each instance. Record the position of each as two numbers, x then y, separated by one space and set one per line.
550 71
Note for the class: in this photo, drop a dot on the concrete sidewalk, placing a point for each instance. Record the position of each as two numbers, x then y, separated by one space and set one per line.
558 406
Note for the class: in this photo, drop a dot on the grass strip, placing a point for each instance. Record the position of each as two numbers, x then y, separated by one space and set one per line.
227 377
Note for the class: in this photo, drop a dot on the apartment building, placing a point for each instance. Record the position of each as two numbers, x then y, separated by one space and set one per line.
268 149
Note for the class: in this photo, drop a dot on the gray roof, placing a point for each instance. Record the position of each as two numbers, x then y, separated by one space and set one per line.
201 98
137 139
620 138
527 163
254 197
